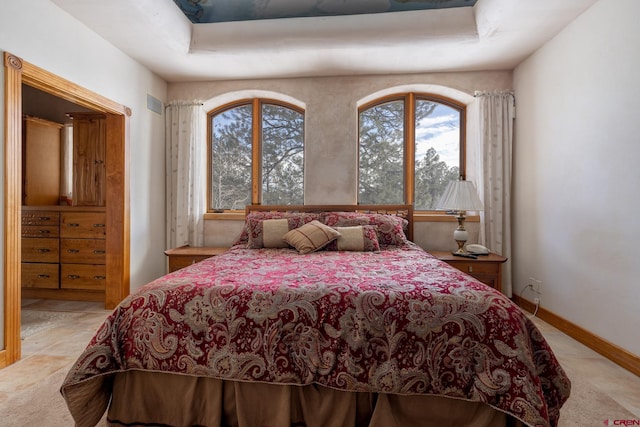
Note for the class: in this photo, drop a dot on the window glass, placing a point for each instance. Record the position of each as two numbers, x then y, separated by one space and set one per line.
268 170
437 151
231 158
282 155
381 165
422 130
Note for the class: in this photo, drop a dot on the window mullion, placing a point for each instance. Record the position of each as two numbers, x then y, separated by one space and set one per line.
256 153
409 149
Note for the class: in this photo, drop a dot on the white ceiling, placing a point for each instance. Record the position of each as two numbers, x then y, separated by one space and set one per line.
492 35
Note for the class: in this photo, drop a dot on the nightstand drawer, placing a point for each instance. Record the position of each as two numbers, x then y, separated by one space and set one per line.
486 268
184 256
475 267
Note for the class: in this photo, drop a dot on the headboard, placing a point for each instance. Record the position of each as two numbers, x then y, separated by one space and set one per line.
403 211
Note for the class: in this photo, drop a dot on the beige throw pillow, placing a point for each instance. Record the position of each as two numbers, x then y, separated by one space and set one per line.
311 237
351 239
273 231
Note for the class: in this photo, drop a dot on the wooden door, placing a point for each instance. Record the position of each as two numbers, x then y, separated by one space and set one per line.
89 152
41 166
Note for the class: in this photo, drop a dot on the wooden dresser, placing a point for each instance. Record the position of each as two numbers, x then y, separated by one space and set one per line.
40 249
82 250
63 253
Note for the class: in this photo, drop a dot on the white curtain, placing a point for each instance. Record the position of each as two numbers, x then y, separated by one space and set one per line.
496 114
186 173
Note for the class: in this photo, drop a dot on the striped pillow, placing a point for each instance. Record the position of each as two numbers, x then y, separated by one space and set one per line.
311 237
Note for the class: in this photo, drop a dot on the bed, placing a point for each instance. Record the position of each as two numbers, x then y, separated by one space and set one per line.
318 316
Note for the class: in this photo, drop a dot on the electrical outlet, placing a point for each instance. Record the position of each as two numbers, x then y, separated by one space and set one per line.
536 301
535 285
538 286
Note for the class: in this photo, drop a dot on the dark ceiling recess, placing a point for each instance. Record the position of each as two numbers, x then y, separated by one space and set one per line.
211 11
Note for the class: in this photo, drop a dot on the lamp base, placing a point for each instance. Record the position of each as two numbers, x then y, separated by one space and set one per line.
460 234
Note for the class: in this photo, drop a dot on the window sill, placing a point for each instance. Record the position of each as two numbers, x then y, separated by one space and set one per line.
441 217
225 216
417 217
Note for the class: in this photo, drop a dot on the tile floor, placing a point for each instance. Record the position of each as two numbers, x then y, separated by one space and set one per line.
48 351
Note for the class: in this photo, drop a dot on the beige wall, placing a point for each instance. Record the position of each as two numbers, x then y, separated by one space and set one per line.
42 34
331 131
576 173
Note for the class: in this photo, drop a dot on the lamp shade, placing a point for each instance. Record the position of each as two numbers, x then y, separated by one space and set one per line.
460 196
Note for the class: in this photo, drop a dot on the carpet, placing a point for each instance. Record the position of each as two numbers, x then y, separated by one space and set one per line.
588 406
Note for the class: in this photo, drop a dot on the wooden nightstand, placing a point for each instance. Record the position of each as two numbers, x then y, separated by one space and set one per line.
487 268
186 255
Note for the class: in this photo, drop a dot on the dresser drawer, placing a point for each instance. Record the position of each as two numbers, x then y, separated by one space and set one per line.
40 231
40 250
83 276
83 225
83 251
40 218
45 276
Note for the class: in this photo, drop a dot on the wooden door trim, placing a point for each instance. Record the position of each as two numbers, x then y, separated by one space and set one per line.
17 72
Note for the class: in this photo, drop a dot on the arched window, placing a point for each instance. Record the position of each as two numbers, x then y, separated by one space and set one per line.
410 146
256 154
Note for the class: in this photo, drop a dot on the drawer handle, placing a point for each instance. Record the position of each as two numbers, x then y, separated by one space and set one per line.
73 276
44 250
99 252
44 218
99 225
99 277
44 231
43 276
73 224
73 251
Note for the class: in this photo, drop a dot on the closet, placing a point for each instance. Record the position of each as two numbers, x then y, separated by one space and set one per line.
63 207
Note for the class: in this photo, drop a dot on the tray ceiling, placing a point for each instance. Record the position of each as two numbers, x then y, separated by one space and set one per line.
210 11
490 35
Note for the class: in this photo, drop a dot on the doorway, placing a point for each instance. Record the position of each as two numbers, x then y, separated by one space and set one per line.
17 73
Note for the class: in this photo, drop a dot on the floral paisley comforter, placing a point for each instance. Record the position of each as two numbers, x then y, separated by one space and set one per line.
395 321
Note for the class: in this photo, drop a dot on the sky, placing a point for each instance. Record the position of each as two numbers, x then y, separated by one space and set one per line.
441 131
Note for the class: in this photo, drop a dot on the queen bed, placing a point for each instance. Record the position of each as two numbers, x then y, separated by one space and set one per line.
318 316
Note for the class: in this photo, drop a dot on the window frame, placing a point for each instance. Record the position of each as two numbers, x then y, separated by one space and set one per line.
256 145
409 100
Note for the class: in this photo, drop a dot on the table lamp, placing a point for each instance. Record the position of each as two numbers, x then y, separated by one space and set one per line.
460 196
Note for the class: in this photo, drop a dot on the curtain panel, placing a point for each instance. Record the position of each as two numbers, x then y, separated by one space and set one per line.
186 173
496 114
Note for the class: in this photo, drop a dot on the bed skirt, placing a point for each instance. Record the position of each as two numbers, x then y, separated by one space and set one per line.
160 399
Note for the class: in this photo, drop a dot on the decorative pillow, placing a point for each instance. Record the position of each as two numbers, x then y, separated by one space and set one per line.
389 228
361 238
311 237
252 235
